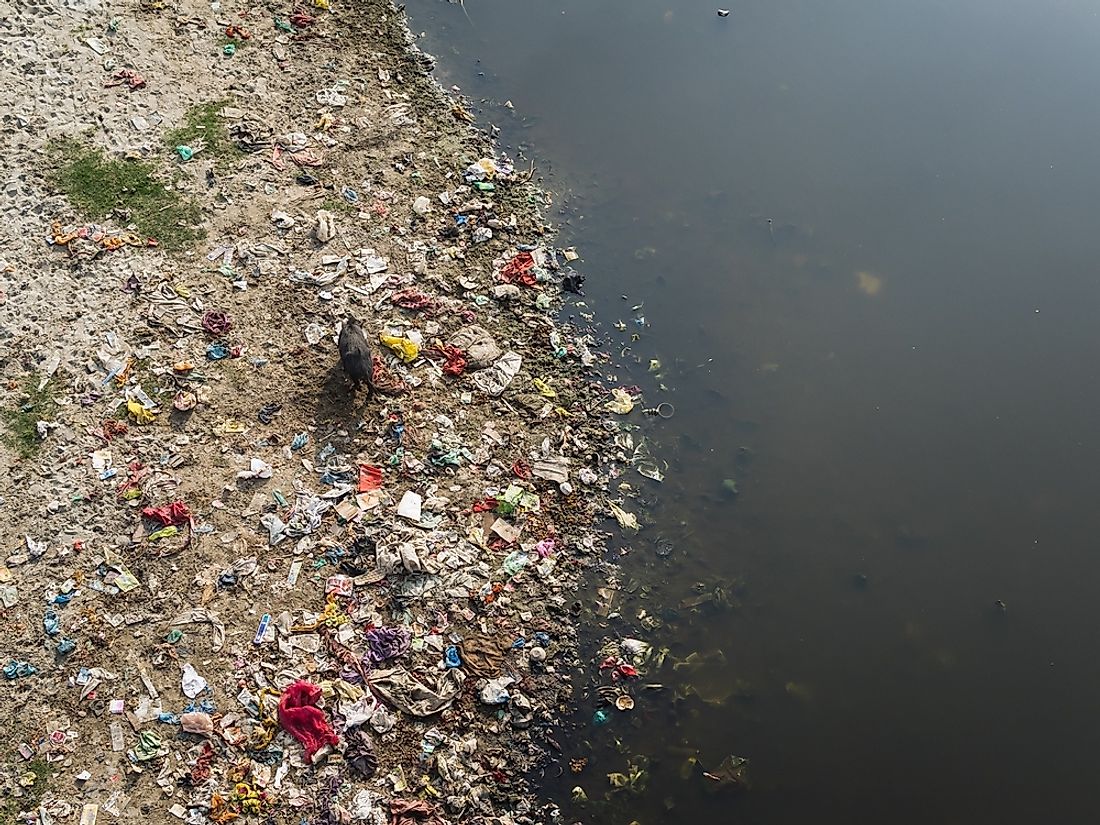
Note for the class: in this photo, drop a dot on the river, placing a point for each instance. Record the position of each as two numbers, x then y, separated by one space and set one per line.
862 236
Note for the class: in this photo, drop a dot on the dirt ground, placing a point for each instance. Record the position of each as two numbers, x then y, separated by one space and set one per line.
179 435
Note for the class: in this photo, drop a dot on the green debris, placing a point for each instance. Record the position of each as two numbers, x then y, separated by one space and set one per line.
164 533
799 691
634 780
149 746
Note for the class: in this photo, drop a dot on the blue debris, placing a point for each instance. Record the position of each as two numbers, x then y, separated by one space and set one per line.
14 669
51 622
451 657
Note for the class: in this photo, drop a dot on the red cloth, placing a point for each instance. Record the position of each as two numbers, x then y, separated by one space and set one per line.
454 357
382 380
175 513
216 322
413 299
370 478
301 718
520 269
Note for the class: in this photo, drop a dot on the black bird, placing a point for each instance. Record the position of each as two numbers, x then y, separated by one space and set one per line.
355 355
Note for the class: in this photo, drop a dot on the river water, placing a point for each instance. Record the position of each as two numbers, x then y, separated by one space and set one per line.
863 235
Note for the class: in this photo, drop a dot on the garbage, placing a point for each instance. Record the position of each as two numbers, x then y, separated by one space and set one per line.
402 690
150 746
455 361
494 380
495 691
385 643
191 682
407 812
731 773
126 77
405 349
197 722
257 468
359 752
324 229
17 670
519 270
410 506
554 469
301 718
272 571
199 615
479 346
621 402
481 656
628 521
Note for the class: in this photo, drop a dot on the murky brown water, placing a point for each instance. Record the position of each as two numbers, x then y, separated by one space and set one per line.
865 237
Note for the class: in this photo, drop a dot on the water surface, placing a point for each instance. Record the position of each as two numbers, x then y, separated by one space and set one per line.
864 236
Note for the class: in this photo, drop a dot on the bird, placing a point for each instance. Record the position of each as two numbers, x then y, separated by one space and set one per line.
355 354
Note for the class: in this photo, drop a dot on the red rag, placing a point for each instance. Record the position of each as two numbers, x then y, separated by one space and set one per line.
519 269
412 299
370 478
454 357
625 672
301 718
175 513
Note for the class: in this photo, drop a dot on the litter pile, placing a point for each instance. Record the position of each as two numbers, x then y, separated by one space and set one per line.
234 586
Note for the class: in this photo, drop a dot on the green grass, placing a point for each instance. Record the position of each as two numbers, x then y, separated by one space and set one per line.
32 795
338 205
100 186
203 124
21 422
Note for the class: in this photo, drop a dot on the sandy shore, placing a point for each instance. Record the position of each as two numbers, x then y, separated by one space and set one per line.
233 587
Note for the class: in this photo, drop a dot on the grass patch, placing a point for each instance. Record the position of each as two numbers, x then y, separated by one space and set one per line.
21 423
100 186
202 125
32 795
338 205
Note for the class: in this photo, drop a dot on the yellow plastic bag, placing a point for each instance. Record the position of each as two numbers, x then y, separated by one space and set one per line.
544 389
406 350
141 414
621 402
628 521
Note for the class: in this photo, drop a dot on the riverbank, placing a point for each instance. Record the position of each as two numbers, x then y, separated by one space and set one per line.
241 589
